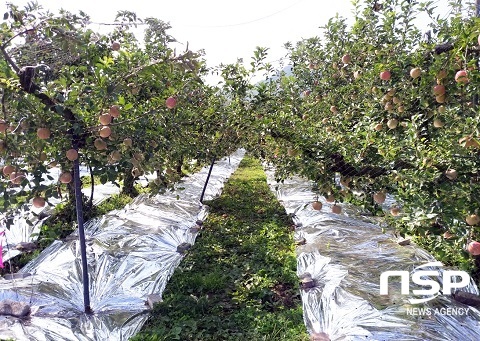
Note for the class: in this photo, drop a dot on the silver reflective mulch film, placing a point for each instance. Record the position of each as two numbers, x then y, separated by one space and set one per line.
131 254
342 259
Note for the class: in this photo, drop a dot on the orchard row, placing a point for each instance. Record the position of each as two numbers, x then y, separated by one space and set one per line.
378 107
369 109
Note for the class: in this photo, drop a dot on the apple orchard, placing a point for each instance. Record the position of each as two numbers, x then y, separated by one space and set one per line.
371 110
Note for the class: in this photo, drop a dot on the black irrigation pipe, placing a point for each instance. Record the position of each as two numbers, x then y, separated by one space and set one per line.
81 236
208 178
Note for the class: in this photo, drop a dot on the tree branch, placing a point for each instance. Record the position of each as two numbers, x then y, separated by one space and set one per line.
439 49
9 60
27 84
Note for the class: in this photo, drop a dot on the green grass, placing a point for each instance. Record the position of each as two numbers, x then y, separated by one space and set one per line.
87 181
238 282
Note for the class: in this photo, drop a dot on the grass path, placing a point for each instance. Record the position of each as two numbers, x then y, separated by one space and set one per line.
238 282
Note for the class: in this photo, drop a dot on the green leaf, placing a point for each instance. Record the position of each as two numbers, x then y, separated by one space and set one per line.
104 178
110 89
59 109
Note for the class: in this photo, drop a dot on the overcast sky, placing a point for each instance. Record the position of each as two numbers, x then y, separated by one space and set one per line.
226 29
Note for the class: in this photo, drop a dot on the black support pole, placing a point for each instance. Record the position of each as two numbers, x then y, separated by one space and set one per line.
81 236
208 178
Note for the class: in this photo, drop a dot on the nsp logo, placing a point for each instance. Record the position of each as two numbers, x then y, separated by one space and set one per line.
423 278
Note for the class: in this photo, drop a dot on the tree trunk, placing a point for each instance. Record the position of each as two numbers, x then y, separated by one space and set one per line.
128 184
161 178
179 166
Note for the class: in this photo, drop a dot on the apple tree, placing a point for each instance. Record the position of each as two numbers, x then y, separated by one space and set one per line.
120 106
379 107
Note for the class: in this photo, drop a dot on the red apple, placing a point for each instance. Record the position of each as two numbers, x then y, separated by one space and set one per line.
65 177
379 197
385 75
17 177
389 106
100 144
394 211
448 235
451 174
346 59
472 219
461 77
336 209
116 155
392 123
43 133
438 123
171 102
38 202
415 72
8 169
105 119
439 90
72 154
128 142
114 111
474 248
115 46
317 205
105 131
